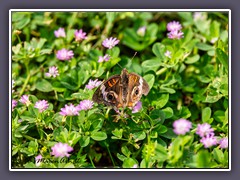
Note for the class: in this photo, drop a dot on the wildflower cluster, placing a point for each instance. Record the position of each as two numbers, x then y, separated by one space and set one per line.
53 72
205 131
71 110
174 29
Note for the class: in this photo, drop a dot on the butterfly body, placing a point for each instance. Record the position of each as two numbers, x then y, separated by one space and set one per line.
120 91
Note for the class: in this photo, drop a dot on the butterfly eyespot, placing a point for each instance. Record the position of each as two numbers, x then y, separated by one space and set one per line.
110 97
136 92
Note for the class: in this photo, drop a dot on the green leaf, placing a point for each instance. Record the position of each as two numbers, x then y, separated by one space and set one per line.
15 150
162 129
81 95
161 101
184 112
203 159
111 16
143 164
157 116
29 165
96 120
169 134
99 135
45 51
152 64
161 153
188 36
204 79
126 151
168 111
70 35
69 165
204 47
159 50
32 148
222 57
99 72
44 86
193 59
68 83
218 155
138 136
150 78
73 138
57 86
176 149
60 134
212 99
33 111
131 40
219 116
121 157
117 133
84 141
20 20
215 29
167 90
114 52
38 43
206 114
129 163
187 16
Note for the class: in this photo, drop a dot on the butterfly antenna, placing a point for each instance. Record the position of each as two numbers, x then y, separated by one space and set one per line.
119 65
131 60
134 55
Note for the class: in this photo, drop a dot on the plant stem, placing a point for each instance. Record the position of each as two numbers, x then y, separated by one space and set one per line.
33 139
110 156
80 151
107 112
92 162
56 95
161 71
70 124
25 84
19 40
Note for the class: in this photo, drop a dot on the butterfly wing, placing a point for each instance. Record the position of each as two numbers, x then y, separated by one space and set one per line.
109 92
136 87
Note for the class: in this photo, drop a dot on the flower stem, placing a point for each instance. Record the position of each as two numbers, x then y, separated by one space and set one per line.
80 151
56 95
110 155
107 112
70 124
161 71
91 161
33 139
25 84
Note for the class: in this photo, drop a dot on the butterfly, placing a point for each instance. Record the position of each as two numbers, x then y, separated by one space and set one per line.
120 91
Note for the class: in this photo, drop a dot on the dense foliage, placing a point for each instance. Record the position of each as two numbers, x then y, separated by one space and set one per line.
53 69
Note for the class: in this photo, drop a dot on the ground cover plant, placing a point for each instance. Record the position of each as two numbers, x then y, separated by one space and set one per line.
59 59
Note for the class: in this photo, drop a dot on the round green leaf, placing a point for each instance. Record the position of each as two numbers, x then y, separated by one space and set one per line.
151 64
206 114
193 59
150 78
99 136
44 86
129 163
84 141
158 49
168 112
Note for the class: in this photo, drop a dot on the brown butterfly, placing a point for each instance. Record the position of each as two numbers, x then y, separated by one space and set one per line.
120 91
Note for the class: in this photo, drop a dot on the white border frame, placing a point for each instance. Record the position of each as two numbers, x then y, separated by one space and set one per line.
118 10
